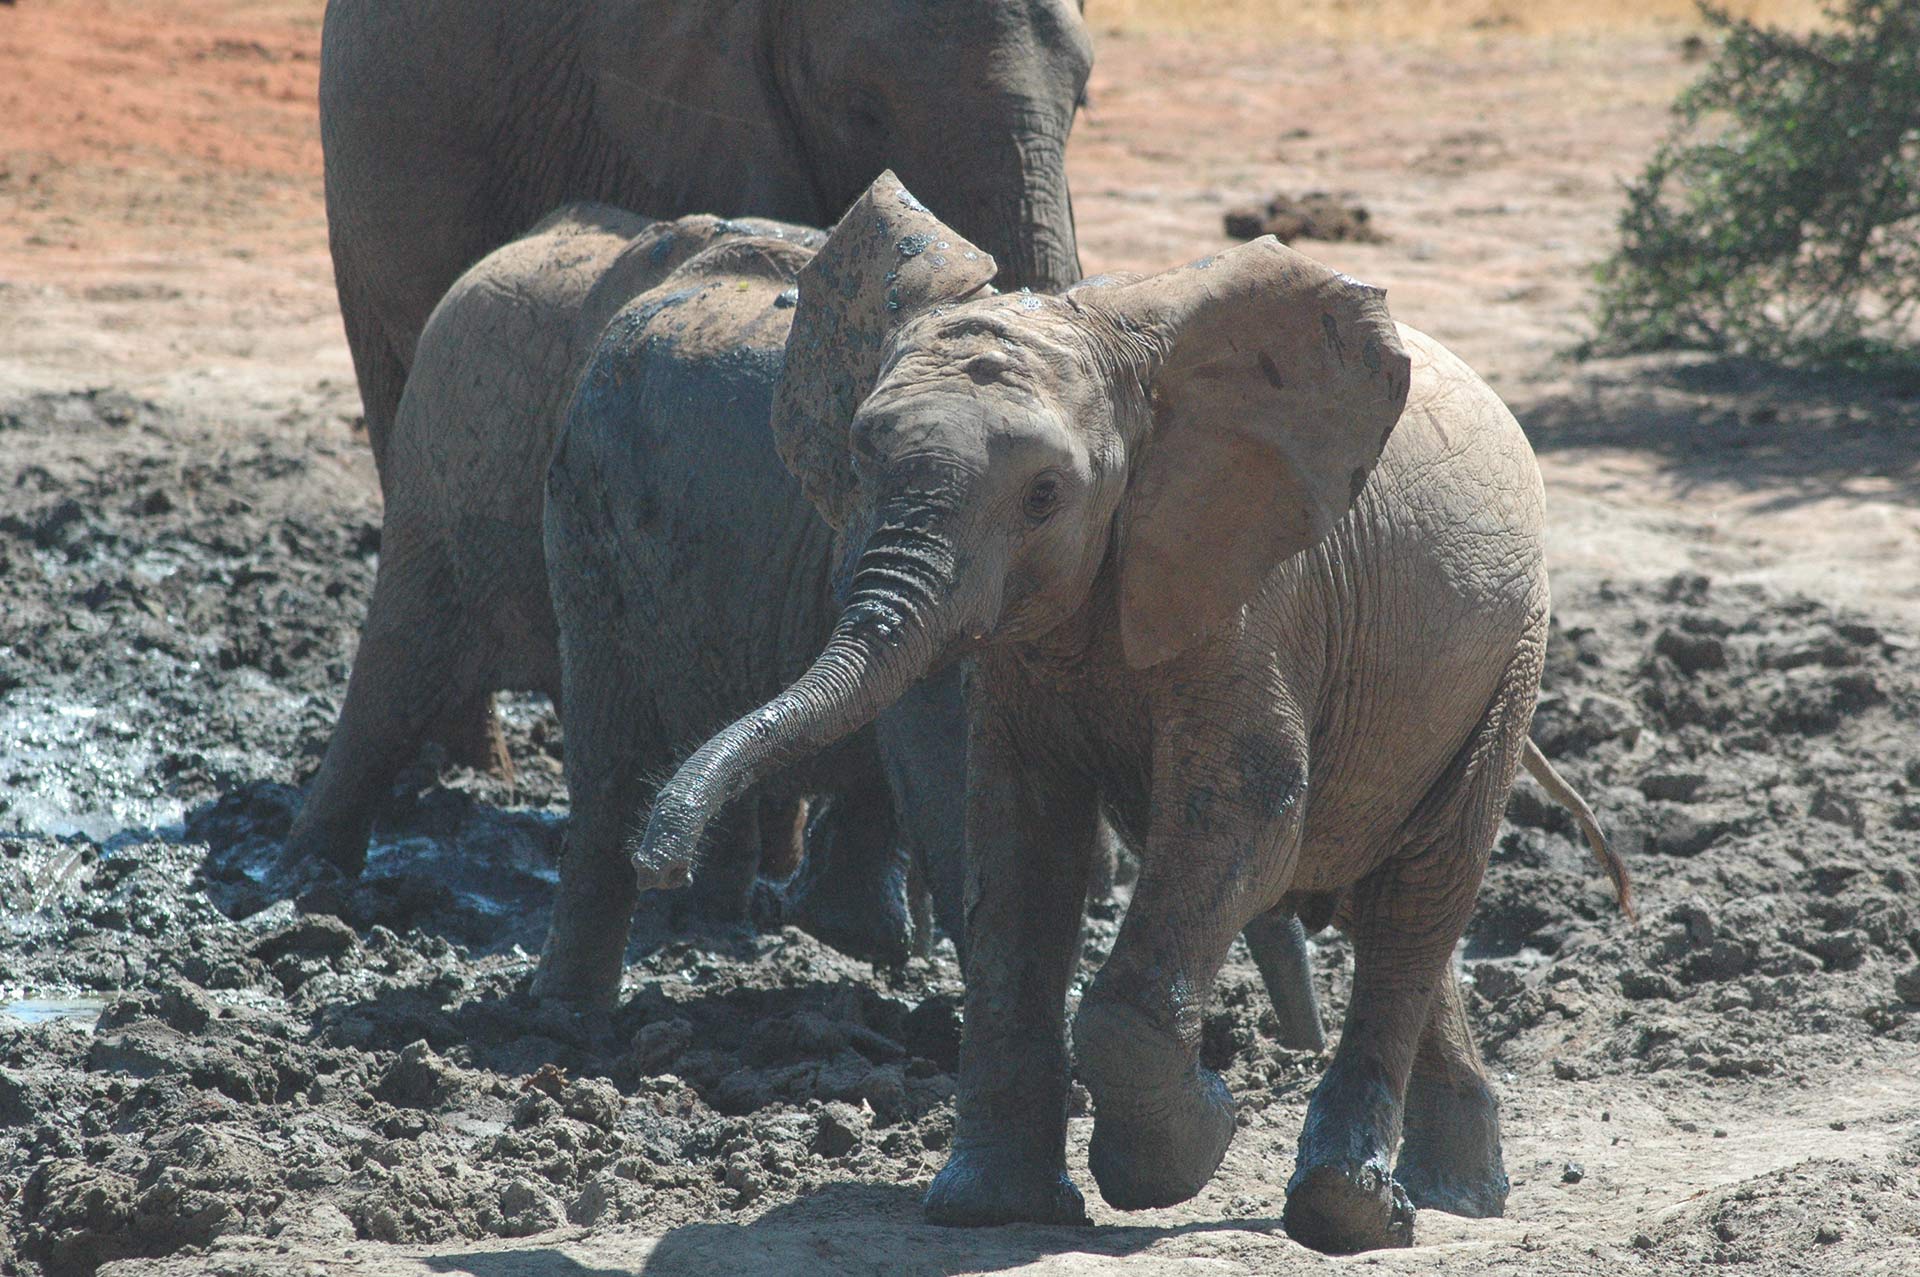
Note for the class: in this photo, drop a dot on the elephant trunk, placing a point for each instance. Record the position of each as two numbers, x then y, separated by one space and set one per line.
893 630
1025 221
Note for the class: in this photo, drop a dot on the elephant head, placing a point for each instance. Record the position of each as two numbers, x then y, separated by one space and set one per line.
1131 458
969 101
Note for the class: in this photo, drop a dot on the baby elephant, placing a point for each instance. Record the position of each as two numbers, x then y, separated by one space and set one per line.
1245 566
668 635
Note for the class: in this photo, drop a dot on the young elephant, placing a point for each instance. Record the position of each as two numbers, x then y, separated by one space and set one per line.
1210 587
462 604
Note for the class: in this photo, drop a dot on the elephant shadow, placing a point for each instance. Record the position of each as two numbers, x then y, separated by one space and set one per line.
841 1230
1798 435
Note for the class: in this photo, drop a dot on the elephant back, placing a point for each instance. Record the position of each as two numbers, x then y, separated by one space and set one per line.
663 249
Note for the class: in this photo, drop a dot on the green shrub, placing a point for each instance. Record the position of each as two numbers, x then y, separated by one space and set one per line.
1781 217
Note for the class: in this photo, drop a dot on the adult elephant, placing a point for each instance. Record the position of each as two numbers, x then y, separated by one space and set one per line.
452 126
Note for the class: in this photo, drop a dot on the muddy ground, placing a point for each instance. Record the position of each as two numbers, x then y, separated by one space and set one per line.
199 1075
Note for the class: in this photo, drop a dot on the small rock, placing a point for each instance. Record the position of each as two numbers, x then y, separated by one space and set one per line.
1828 1234
1494 981
592 1101
842 1128
1646 986
525 1209
419 1079
16 1100
1690 832
1564 725
320 934
1672 786
1315 215
656 1046
184 1005
885 1091
1691 653
1572 1173
1907 985
1836 809
745 1179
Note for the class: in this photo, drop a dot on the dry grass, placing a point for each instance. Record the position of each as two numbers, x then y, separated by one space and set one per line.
1427 19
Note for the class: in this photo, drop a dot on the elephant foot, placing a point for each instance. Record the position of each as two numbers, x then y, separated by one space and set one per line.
1450 1155
1342 1198
473 737
584 958
864 917
980 1186
576 986
1341 1209
1155 1143
318 849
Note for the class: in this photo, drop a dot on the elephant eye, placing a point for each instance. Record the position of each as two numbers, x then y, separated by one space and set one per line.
1043 497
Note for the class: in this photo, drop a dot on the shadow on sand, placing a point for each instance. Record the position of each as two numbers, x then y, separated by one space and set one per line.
1800 436
844 1230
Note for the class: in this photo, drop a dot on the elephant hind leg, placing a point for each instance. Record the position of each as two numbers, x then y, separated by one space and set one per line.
470 730
1405 1017
379 363
1450 1154
414 663
852 889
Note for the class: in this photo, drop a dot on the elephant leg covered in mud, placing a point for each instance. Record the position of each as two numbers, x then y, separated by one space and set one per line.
1234 559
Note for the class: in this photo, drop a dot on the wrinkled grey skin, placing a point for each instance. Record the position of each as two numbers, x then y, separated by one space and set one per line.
1210 587
451 127
692 579
462 605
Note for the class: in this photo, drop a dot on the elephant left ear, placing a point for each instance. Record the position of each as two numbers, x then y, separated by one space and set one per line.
1274 382
888 259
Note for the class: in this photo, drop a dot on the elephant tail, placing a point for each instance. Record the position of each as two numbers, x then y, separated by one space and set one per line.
1567 796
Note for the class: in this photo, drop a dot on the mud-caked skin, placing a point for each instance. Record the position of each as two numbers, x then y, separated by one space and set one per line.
1342 1197
1235 561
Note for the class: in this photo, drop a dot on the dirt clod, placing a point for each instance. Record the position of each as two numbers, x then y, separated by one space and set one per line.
1314 215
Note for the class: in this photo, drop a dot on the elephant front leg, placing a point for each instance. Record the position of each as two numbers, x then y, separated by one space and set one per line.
1029 844
1220 848
1450 1154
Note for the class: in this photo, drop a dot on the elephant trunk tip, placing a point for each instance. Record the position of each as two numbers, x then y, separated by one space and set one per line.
663 855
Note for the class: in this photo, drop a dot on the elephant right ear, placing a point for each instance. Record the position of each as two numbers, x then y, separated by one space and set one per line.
886 260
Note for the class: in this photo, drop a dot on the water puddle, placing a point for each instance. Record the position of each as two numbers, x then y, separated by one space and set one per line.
82 1011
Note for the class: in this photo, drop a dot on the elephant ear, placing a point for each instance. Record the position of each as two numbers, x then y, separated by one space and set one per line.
1274 383
887 259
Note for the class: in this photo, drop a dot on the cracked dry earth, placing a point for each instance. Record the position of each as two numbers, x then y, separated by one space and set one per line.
197 1076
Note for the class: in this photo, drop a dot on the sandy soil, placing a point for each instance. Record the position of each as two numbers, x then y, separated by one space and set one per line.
187 532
